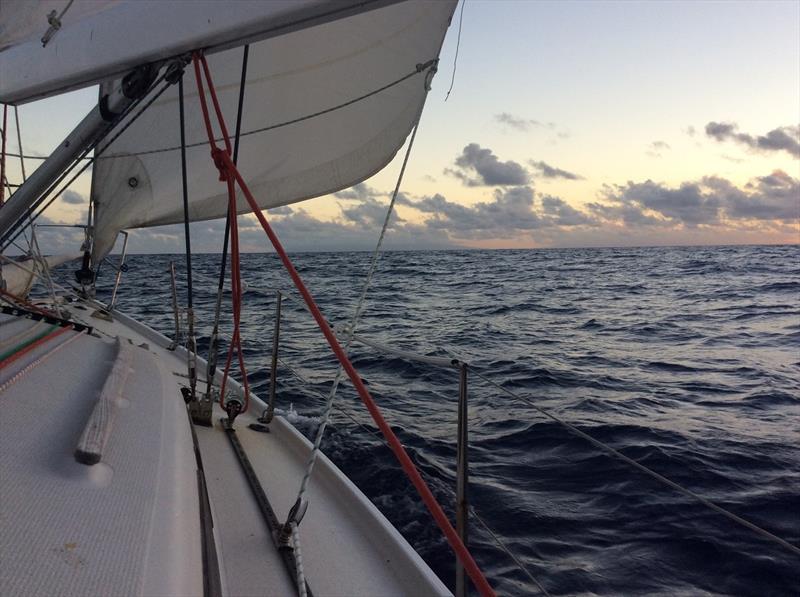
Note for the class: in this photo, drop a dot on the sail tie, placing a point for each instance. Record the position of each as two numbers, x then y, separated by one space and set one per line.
396 446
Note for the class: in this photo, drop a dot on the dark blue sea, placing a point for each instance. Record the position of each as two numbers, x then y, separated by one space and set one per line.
685 359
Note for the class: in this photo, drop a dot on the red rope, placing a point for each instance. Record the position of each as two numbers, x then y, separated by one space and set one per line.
3 157
28 305
236 280
470 566
26 349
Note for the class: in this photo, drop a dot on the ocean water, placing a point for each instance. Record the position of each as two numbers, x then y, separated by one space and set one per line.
685 359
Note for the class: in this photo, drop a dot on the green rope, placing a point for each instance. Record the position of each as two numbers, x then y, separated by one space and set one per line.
19 347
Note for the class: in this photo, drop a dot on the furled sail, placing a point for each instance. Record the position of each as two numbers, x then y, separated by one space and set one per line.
286 154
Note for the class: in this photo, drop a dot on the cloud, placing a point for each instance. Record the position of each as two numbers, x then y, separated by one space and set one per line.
548 171
72 197
357 192
525 125
690 130
687 204
477 166
370 213
518 123
655 149
709 209
283 210
711 201
786 138
772 197
511 212
561 213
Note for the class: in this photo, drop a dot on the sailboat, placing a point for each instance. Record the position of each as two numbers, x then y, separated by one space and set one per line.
131 465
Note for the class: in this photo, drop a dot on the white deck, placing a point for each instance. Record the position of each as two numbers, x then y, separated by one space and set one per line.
130 525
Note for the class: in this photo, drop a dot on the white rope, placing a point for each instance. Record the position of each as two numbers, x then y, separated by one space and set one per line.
19 374
354 323
616 453
298 560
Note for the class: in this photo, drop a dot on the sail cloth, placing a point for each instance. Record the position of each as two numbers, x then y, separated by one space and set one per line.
19 276
137 181
91 41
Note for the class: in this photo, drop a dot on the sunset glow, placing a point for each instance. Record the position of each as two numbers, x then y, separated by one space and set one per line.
569 124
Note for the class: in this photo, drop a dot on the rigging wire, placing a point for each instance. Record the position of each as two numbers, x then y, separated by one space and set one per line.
19 144
458 46
191 345
350 331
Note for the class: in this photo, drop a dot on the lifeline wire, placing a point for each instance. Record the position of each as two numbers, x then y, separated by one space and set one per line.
608 449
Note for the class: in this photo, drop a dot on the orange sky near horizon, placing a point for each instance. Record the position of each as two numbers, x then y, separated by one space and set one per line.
569 110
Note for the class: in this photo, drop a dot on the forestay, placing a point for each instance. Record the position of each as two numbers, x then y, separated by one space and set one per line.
137 181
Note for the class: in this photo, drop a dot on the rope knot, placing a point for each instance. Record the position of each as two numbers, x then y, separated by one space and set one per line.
219 155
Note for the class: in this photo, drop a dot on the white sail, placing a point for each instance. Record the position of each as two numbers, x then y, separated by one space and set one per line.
20 276
137 182
90 41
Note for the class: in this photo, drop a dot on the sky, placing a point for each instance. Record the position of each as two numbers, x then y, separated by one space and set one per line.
569 124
